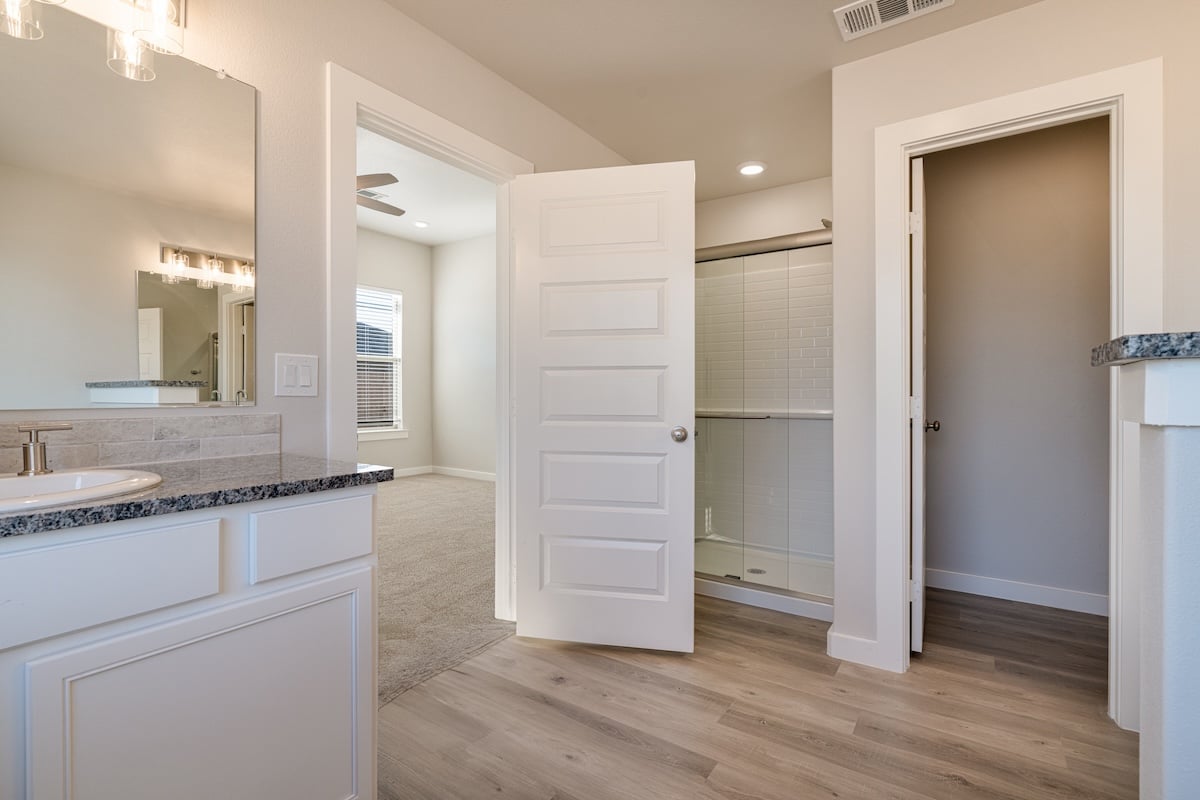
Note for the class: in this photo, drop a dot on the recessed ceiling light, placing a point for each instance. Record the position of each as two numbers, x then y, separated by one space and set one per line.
752 167
421 223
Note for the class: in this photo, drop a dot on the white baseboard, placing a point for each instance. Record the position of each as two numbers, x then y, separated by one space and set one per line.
760 599
408 472
455 472
1067 599
861 651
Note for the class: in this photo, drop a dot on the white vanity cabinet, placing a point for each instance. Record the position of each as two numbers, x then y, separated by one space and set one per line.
220 653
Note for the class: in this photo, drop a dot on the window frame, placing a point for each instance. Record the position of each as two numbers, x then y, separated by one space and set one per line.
397 429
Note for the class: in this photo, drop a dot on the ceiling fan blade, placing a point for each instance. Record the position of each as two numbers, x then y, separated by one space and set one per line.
375 179
375 205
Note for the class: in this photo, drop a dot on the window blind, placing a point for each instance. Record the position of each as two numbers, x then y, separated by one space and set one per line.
378 317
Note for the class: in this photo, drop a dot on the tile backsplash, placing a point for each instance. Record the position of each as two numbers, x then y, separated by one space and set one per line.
144 440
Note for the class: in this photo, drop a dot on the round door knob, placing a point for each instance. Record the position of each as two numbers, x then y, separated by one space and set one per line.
934 426
679 433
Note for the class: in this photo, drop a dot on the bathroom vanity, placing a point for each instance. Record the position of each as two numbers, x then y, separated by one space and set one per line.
211 638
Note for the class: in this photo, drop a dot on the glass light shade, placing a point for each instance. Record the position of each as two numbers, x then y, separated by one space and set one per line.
128 57
214 267
177 264
21 19
158 27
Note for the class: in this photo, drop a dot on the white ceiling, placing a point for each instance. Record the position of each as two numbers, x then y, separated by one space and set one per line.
456 204
185 138
717 81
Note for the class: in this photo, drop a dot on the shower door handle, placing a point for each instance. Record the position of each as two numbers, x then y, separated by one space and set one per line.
679 433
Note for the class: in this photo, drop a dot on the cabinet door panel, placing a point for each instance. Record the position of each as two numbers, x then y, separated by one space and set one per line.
260 699
105 579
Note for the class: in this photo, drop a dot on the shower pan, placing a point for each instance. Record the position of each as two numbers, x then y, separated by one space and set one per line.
764 454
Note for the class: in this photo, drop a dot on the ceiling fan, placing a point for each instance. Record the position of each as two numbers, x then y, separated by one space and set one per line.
368 199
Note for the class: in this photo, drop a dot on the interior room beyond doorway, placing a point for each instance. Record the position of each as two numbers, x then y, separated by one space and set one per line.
1018 290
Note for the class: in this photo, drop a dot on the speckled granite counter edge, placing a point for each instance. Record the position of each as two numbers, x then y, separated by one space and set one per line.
139 384
1143 346
131 507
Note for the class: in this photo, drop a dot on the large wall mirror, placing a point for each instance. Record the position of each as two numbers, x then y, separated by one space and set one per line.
122 201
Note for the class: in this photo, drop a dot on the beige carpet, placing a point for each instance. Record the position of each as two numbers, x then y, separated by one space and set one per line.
436 577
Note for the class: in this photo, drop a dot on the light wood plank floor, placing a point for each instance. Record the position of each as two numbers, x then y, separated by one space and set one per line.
1007 702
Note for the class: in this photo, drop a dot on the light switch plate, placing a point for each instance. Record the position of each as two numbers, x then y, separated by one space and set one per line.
295 375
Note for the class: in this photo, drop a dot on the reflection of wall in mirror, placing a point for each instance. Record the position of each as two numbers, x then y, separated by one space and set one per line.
70 255
189 320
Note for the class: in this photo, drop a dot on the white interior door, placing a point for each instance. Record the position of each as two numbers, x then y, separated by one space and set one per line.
603 375
917 404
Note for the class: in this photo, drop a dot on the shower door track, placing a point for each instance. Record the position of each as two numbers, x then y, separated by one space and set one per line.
790 241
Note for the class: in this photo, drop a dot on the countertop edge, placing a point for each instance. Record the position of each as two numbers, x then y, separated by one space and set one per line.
130 507
1146 346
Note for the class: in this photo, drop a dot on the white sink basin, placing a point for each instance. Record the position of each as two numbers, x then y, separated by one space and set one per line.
31 492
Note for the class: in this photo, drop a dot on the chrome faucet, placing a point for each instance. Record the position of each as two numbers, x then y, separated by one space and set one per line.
239 396
33 452
215 396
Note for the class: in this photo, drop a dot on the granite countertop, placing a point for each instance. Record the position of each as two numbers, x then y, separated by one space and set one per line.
1143 346
206 483
140 383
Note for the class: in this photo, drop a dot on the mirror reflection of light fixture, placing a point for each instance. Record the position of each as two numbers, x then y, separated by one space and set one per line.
175 268
243 276
212 268
128 57
21 19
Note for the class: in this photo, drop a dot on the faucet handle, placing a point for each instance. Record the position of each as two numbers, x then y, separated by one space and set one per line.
34 428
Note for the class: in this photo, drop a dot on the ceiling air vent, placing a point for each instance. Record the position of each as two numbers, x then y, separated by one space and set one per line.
867 16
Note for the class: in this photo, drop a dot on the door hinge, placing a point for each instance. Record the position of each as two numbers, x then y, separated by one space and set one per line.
914 221
915 411
914 590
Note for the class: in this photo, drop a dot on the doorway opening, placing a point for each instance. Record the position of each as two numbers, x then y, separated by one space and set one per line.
1016 234
425 383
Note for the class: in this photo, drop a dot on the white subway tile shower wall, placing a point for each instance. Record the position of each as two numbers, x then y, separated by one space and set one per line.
145 440
764 336
764 327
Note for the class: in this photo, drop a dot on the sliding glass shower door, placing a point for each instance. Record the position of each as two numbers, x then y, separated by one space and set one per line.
764 455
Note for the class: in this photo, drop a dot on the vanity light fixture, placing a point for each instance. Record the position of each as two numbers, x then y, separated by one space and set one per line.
128 57
750 168
212 268
158 25
153 26
176 264
243 276
21 19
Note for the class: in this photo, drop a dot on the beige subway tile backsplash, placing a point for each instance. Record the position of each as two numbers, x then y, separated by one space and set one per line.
144 440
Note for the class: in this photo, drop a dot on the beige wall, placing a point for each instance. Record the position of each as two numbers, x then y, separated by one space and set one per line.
1017 292
778 211
464 355
281 47
385 262
1047 42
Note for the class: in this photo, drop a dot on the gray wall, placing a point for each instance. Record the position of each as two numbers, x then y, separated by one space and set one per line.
1018 285
464 355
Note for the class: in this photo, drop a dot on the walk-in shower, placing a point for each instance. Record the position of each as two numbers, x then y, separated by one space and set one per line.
764 455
